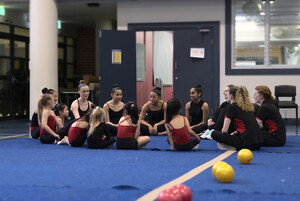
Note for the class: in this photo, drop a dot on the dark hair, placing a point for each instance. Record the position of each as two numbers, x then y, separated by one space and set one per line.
87 116
198 89
115 87
232 90
174 106
132 111
157 90
45 90
59 107
81 84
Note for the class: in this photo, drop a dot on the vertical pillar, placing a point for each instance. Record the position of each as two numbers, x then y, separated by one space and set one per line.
43 49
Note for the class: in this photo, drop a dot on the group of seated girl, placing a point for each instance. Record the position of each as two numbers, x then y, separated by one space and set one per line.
233 124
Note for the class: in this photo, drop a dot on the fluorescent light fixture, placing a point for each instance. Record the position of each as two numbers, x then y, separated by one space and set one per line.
2 11
262 13
59 24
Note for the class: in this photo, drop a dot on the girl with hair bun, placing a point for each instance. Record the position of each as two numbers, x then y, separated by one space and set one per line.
155 109
98 136
48 120
268 118
178 128
129 129
114 109
82 105
240 111
196 111
35 123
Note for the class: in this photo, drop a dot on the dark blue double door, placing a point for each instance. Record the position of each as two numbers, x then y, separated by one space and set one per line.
188 71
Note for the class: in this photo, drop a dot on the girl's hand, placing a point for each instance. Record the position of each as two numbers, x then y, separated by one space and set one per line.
234 133
210 122
57 137
151 130
155 129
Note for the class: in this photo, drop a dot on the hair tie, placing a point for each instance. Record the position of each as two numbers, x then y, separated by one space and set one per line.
132 105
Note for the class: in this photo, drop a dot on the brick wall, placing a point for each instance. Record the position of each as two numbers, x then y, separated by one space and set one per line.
86 61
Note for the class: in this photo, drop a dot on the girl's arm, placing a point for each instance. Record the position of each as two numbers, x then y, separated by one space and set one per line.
259 123
74 109
45 116
107 119
143 114
190 129
187 111
137 131
226 125
58 122
171 141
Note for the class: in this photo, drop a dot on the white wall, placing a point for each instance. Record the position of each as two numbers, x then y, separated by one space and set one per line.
188 11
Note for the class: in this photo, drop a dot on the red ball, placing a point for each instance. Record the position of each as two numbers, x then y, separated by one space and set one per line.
169 195
184 191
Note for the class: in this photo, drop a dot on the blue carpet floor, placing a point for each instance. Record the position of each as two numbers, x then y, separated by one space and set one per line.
30 170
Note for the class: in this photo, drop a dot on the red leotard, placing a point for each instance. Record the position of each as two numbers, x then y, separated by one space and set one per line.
181 135
51 123
126 131
75 132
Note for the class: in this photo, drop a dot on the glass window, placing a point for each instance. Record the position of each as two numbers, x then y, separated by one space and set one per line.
21 31
20 49
60 39
70 53
4 67
4 28
4 47
249 37
61 53
69 41
284 32
140 56
265 35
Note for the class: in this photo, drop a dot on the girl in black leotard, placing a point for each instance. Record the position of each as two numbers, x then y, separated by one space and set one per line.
114 110
156 110
268 118
196 111
98 136
82 105
240 111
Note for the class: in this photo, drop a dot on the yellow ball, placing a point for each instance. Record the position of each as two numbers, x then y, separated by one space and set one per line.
224 174
216 165
245 156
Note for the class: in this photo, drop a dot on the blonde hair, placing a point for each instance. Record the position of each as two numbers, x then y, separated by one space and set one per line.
96 116
44 101
243 100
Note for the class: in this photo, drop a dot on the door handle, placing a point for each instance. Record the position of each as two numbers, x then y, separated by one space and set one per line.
175 66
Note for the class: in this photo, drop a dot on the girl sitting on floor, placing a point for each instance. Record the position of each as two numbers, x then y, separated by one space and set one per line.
48 120
178 128
129 129
78 131
98 136
62 112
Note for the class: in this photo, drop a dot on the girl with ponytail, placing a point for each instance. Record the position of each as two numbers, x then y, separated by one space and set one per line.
98 136
268 118
240 111
129 129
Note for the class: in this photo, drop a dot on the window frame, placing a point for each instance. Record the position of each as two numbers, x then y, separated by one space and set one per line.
258 70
